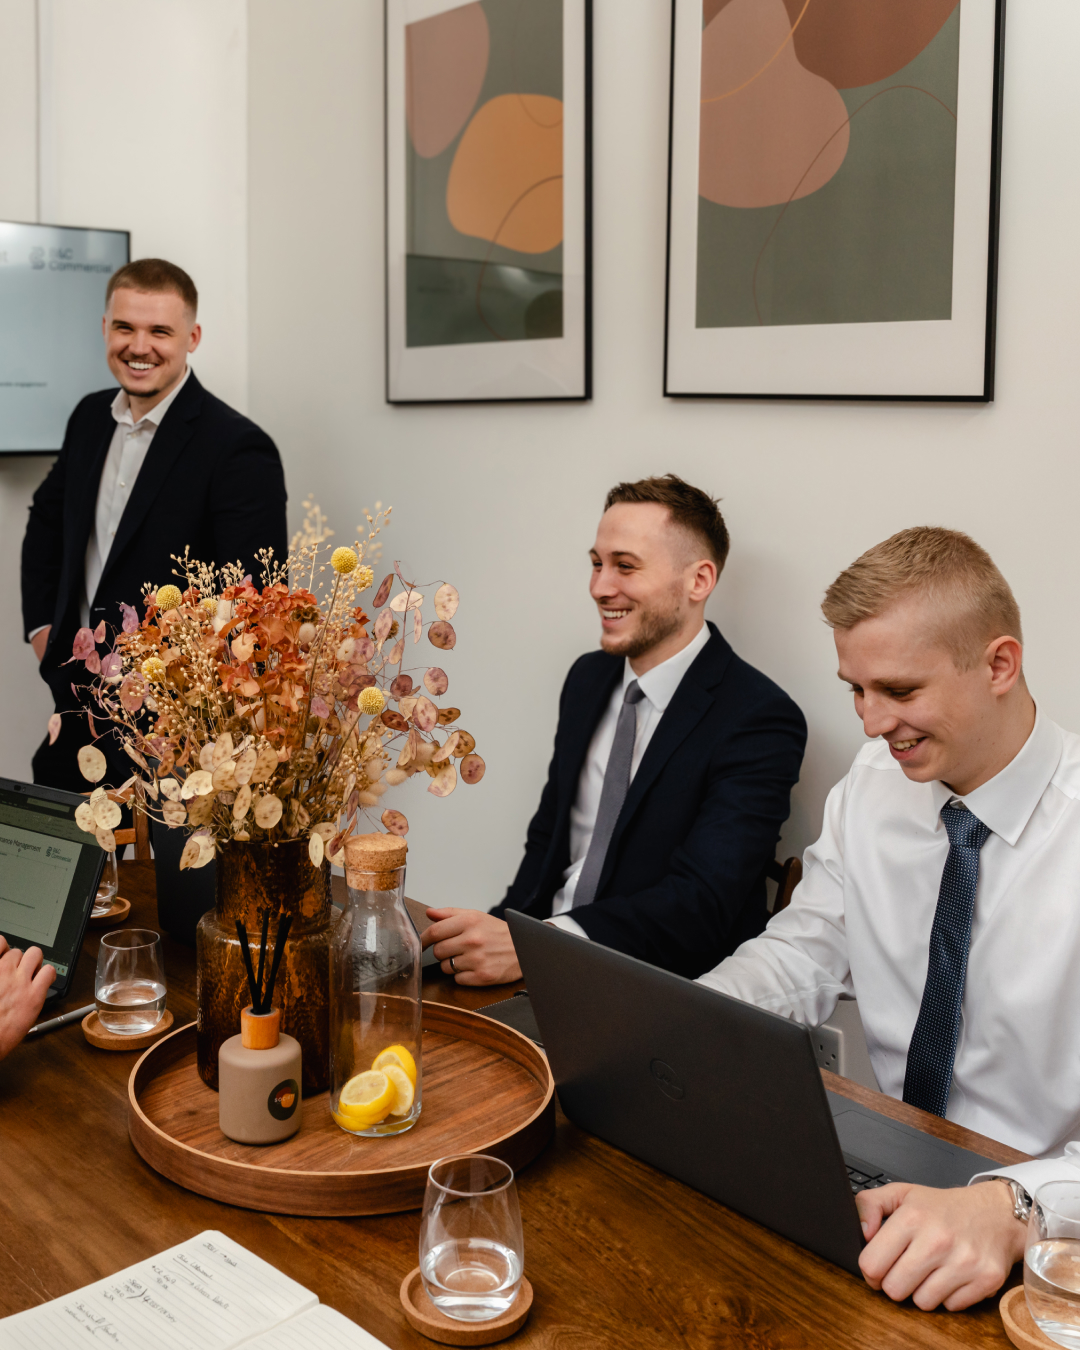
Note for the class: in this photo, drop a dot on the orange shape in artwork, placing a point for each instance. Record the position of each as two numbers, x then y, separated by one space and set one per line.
856 42
770 130
446 59
506 179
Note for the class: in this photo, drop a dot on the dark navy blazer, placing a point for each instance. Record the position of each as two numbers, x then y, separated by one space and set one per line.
683 882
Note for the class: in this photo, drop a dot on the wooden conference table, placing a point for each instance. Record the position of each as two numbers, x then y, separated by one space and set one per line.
618 1254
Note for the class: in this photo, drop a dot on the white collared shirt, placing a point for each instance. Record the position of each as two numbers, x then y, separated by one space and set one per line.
659 686
127 451
859 925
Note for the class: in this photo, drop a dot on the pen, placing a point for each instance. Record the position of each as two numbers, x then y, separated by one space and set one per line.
76 1015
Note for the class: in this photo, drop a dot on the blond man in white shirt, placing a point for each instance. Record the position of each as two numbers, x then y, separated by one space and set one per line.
968 797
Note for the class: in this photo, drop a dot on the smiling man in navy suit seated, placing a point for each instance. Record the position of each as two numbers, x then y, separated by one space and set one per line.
673 766
145 471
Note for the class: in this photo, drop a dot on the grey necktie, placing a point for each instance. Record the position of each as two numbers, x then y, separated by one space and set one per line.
616 783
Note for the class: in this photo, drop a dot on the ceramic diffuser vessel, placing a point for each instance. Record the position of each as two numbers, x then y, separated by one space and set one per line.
260 1071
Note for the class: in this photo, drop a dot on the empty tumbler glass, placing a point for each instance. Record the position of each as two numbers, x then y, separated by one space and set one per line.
472 1253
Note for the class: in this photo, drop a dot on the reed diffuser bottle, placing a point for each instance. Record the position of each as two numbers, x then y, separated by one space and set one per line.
260 1071
375 1008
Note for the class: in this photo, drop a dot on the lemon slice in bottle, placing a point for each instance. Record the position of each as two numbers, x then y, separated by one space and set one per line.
397 1054
366 1099
404 1092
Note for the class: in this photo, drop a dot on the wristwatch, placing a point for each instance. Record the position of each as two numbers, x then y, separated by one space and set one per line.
1021 1199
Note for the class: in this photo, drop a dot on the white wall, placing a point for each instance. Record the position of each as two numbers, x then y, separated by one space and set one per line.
503 501
142 112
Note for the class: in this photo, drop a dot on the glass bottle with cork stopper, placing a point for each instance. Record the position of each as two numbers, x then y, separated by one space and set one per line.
375 998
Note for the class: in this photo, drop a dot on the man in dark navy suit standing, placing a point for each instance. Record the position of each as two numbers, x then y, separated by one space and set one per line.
673 766
144 472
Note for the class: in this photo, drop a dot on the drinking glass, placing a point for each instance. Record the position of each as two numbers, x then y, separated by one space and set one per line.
130 983
1052 1262
472 1251
107 888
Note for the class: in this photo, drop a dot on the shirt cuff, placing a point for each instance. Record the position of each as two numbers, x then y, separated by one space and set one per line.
1032 1175
568 925
35 631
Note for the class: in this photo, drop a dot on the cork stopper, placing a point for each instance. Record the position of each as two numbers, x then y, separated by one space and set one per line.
372 861
260 1032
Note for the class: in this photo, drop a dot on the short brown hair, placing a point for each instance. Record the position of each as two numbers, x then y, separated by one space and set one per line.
691 510
154 275
942 565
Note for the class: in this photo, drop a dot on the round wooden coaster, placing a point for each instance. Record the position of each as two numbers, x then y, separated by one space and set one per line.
1019 1324
425 1318
116 913
96 1034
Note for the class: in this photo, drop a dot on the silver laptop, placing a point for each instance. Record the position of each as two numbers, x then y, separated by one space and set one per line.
719 1094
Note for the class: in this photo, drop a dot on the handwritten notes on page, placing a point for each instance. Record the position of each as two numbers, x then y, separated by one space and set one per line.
320 1326
208 1293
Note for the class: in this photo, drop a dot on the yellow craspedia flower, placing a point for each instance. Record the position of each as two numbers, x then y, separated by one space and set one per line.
153 667
209 607
344 560
372 701
364 578
168 597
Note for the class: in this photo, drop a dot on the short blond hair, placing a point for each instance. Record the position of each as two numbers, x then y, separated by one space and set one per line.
944 566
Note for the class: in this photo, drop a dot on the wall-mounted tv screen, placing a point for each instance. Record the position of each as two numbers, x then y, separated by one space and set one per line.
52 297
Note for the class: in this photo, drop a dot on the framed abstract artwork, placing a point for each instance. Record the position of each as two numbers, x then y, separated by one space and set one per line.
487 200
833 198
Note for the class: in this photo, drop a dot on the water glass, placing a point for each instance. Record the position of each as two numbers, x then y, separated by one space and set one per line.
1052 1262
107 887
130 983
472 1252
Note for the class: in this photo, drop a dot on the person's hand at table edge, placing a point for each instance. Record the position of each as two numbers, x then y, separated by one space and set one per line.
949 1247
24 982
473 946
40 641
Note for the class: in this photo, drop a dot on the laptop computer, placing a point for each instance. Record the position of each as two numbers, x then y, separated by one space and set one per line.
49 875
719 1094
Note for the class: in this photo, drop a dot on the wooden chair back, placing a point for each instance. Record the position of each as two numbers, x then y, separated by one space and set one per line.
787 876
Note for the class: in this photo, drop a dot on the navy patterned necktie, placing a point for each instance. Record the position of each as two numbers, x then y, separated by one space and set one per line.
933 1043
612 796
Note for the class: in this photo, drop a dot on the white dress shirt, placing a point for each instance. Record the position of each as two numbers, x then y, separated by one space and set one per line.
859 925
658 685
127 451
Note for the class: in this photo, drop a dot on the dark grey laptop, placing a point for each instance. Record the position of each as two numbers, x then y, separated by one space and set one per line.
49 874
722 1095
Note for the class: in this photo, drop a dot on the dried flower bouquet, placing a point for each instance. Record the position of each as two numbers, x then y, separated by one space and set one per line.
265 713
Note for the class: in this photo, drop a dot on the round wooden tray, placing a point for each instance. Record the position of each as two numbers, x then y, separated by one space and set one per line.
486 1089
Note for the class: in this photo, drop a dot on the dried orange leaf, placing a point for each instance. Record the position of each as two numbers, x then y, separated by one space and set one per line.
472 769
92 764
448 715
425 715
395 822
436 681
442 635
444 782
393 720
446 601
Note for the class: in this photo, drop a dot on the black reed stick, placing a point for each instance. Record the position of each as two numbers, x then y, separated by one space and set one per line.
253 988
262 949
279 947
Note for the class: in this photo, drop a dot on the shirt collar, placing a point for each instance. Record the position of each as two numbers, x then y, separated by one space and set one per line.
121 405
1006 802
659 684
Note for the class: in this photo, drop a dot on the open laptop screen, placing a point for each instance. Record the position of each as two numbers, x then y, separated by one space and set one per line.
49 872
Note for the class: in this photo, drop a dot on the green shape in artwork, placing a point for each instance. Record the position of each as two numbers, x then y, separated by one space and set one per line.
455 300
875 244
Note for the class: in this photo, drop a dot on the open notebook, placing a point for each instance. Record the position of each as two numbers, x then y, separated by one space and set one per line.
208 1293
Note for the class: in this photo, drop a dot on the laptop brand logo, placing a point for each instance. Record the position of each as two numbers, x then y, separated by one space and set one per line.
668 1079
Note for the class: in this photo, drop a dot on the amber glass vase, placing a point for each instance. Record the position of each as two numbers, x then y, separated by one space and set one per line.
253 879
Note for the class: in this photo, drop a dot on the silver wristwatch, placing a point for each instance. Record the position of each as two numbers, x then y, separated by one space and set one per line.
1021 1199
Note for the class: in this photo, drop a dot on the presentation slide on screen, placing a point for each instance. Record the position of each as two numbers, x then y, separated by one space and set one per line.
35 877
52 297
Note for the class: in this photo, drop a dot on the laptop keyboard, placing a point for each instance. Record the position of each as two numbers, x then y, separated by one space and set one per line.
862 1181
